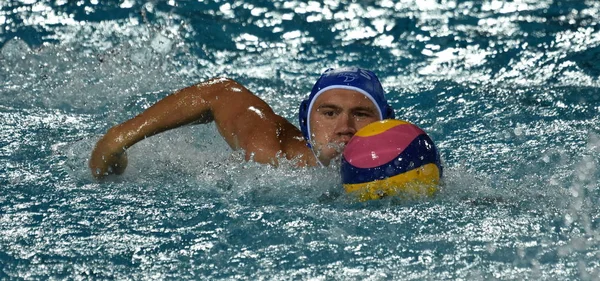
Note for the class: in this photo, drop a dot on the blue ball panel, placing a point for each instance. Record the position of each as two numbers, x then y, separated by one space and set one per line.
420 151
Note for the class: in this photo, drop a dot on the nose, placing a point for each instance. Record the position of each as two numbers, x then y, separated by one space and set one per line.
345 125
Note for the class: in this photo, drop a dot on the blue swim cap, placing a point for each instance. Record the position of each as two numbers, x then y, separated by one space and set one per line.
350 78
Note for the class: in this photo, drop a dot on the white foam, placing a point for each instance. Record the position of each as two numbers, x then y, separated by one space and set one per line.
14 50
73 77
198 156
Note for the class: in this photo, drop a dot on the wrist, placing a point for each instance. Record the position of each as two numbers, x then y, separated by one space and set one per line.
115 140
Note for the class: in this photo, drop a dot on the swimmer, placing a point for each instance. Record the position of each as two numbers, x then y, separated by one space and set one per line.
341 102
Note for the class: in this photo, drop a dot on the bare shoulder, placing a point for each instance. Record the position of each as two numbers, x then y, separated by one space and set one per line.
248 123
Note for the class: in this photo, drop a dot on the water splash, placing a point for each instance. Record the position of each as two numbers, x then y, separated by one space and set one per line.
508 90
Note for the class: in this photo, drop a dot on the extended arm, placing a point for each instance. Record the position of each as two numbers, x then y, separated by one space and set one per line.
244 120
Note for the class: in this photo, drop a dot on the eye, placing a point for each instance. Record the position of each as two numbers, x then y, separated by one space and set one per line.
363 114
327 112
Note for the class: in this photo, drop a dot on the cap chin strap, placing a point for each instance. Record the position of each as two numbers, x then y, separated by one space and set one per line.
316 157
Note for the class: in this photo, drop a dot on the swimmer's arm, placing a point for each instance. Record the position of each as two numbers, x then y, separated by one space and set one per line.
244 120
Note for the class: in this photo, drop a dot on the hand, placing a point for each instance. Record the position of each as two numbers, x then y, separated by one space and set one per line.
106 159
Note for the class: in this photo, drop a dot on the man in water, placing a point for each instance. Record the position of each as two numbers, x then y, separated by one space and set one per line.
341 102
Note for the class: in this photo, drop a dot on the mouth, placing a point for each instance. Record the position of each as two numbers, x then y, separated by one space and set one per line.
345 140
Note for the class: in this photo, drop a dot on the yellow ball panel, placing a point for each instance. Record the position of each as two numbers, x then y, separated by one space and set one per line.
419 182
379 127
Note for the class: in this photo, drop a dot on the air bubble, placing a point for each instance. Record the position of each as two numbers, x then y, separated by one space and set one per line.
161 44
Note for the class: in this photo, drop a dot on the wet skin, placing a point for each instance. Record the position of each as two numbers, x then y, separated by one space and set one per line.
246 123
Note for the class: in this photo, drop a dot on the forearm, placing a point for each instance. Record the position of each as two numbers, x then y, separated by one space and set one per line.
189 105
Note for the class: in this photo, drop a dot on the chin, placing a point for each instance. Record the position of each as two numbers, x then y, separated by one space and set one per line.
328 157
330 152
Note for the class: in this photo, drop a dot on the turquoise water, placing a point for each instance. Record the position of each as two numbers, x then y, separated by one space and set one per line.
509 92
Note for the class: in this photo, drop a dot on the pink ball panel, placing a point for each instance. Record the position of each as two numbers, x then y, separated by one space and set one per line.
374 151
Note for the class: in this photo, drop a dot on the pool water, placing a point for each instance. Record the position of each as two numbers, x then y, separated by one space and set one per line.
508 90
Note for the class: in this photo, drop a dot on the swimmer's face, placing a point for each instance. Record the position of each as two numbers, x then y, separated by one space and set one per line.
335 117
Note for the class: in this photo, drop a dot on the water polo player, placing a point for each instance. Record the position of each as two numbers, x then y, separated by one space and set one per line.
341 102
